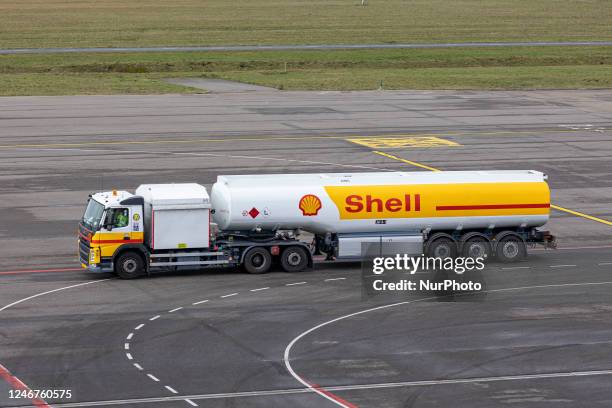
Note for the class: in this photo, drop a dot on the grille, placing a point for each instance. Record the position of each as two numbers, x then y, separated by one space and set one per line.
84 244
84 251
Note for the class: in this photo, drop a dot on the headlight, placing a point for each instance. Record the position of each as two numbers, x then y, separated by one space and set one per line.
94 255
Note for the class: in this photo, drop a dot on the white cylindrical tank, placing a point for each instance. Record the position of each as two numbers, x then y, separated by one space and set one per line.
385 201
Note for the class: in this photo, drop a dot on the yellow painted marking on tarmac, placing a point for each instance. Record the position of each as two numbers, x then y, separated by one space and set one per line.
556 207
269 138
579 214
182 141
405 141
151 142
406 161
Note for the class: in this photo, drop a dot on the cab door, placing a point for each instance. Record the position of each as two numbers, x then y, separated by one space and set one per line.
118 229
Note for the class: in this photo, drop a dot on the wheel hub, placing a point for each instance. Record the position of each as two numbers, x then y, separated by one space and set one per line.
477 250
442 251
258 260
294 259
130 265
510 249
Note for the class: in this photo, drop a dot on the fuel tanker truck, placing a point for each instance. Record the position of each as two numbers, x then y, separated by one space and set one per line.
257 221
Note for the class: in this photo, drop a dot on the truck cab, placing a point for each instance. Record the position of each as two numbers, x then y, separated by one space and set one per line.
112 221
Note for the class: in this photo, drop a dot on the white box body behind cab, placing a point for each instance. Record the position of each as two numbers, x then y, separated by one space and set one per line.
177 216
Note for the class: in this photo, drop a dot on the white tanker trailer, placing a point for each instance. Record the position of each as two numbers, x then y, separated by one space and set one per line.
255 220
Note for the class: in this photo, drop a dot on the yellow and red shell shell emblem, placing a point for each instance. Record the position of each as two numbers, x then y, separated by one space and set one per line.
310 205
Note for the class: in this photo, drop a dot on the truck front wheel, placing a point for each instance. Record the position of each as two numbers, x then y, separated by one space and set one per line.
129 265
294 259
257 260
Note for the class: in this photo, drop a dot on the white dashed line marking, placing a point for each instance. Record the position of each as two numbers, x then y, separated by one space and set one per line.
561 266
604 263
140 326
516 267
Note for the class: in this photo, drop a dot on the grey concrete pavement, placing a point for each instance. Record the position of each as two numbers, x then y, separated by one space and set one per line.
107 118
304 47
219 85
56 150
214 351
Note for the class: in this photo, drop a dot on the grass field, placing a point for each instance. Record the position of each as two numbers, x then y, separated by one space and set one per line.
109 23
489 68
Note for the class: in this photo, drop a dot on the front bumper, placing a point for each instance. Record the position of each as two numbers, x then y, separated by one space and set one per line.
102 267
90 259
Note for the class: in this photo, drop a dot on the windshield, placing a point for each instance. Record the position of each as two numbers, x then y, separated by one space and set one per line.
93 214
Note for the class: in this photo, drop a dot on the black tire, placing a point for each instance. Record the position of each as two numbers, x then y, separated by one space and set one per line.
294 259
257 260
129 265
510 249
476 247
442 248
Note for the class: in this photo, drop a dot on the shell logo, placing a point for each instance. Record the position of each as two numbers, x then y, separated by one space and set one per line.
310 205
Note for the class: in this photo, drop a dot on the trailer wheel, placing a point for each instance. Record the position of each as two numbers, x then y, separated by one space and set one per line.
510 249
129 265
442 248
294 259
476 247
257 260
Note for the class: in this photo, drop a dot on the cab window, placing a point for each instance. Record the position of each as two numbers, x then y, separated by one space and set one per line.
119 217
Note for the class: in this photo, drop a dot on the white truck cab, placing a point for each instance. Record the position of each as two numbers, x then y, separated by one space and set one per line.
112 219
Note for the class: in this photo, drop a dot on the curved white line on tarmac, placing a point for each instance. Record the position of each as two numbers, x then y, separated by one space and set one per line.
43 294
48 292
287 358
190 398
